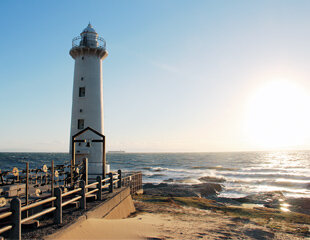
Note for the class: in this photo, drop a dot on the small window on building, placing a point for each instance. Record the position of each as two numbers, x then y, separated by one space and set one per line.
81 110
82 78
82 58
80 123
82 92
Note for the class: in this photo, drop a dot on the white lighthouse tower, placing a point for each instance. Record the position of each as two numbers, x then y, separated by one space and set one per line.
88 50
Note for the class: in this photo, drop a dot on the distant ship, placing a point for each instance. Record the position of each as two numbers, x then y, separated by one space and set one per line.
120 151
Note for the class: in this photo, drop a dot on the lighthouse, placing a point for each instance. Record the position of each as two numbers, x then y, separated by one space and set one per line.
88 50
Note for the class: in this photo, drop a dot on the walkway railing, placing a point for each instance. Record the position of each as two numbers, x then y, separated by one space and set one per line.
14 215
134 181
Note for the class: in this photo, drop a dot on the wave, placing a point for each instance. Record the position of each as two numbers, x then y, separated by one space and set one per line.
275 175
172 170
276 182
219 168
188 181
155 169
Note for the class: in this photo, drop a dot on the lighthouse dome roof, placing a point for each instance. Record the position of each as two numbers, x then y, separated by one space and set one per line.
89 29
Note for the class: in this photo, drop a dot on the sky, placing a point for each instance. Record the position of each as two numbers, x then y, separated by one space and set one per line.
181 76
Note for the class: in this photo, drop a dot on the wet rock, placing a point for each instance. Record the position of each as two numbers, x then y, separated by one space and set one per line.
301 205
151 185
169 180
172 190
268 199
206 189
212 179
182 190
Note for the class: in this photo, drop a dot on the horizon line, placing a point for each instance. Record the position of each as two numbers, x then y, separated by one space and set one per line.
153 152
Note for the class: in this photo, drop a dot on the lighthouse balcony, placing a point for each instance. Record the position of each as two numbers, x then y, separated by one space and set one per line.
89 42
92 45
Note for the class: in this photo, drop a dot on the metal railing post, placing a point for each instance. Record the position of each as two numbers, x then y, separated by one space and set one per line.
119 178
111 182
58 205
16 232
99 192
83 195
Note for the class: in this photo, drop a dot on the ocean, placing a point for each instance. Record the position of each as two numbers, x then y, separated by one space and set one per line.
241 173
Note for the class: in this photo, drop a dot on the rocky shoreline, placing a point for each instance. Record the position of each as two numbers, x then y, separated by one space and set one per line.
210 190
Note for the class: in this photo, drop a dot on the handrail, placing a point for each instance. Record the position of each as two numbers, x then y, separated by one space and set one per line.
105 185
6 228
71 192
105 180
38 214
4 215
71 201
92 184
92 191
27 207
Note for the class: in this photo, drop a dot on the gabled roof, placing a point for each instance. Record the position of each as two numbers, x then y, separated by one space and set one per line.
88 129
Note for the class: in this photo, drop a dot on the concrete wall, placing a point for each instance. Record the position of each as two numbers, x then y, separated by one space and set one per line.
123 210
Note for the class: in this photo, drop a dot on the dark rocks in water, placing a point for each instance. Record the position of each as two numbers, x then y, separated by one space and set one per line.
206 189
301 205
156 175
261 198
182 190
170 191
268 199
151 185
211 179
169 180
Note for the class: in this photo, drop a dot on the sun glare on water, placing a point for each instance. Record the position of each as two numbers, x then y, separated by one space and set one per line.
278 116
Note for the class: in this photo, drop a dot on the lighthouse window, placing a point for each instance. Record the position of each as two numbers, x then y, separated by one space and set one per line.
80 123
82 92
82 78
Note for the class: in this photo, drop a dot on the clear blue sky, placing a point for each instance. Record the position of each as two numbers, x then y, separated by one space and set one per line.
180 75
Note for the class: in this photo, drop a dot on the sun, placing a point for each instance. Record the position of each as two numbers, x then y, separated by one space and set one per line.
278 116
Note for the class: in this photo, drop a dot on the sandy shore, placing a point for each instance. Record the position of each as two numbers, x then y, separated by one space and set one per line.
155 220
133 228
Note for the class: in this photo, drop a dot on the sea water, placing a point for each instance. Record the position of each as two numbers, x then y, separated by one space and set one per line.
240 173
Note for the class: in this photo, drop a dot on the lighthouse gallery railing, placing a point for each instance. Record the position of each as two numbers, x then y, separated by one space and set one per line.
80 41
